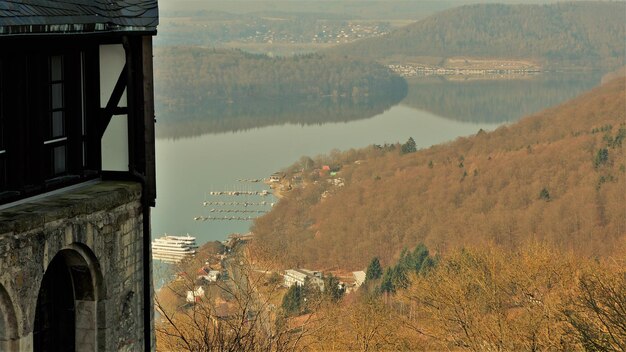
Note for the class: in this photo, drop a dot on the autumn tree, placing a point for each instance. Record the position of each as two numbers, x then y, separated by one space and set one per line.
597 312
228 315
366 324
496 299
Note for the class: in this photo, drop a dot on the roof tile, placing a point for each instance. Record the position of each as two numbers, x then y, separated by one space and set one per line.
114 15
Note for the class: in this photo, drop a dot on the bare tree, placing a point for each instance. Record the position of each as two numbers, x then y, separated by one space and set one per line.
597 313
228 315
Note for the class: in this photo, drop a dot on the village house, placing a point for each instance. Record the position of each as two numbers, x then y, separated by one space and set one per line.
276 177
208 274
359 278
300 276
196 295
353 282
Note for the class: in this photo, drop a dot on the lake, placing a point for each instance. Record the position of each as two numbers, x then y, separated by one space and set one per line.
203 155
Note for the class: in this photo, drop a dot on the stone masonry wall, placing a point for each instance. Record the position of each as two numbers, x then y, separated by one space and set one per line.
100 224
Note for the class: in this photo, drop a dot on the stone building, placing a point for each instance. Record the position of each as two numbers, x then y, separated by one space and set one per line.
77 176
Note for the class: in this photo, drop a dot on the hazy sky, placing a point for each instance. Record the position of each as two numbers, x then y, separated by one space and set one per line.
426 6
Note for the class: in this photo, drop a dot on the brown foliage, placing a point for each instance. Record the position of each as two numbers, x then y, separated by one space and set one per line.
597 311
471 192
489 299
496 300
366 324
529 299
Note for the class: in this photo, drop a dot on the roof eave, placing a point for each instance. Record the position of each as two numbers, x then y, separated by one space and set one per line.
74 29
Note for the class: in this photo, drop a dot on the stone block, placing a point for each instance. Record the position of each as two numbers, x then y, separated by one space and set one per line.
106 220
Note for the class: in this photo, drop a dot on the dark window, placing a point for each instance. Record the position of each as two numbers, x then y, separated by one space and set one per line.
46 139
56 139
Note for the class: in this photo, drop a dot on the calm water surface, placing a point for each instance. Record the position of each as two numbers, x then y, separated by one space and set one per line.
189 168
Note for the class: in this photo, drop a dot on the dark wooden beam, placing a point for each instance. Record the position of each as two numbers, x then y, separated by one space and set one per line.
149 119
114 100
131 97
120 111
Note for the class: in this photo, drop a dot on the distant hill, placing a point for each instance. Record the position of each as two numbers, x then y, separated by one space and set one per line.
187 78
558 177
577 34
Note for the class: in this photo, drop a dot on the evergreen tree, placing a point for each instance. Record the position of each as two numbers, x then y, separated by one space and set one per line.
418 261
409 146
420 254
374 270
292 301
400 280
544 194
332 289
428 264
386 285
602 157
621 135
311 294
405 258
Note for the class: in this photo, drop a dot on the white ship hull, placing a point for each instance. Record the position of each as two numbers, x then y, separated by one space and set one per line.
173 249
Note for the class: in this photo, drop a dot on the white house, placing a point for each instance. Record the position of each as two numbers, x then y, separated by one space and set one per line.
195 295
299 276
208 274
294 277
213 275
359 278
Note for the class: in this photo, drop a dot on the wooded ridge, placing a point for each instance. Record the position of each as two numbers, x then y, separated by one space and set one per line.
188 76
562 35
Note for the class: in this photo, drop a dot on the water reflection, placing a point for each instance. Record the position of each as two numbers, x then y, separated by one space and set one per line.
495 101
478 101
222 116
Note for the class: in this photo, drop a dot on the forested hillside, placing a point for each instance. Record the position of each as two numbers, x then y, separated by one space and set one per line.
577 34
557 177
186 78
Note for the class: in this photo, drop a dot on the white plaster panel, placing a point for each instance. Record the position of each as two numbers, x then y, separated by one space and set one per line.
112 60
115 145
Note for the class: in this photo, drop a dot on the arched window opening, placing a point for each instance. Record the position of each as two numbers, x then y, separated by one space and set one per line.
55 322
67 313
8 323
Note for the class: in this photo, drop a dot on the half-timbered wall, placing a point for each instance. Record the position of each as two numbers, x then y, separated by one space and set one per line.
115 139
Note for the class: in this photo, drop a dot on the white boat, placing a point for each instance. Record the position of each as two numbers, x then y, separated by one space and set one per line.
173 249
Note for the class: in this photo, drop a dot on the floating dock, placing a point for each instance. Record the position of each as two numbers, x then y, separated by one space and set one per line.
224 218
245 204
240 193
